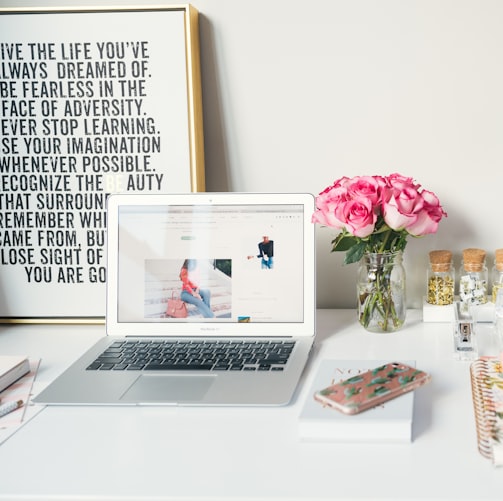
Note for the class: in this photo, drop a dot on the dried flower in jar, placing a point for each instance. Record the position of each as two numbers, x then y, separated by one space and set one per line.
440 278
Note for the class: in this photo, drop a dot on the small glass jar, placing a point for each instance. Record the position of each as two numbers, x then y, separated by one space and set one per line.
497 274
440 278
473 277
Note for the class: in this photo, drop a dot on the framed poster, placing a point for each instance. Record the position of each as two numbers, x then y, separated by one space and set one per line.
93 101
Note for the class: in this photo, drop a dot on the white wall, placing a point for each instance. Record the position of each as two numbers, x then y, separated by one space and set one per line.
297 94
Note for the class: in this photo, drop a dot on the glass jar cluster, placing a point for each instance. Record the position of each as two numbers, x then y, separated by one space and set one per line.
472 281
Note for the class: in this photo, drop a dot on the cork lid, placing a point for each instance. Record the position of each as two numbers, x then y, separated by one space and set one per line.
473 259
498 260
440 260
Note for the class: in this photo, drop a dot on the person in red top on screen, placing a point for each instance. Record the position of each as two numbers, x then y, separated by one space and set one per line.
191 292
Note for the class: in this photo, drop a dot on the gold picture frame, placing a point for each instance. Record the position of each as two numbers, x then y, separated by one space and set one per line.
93 101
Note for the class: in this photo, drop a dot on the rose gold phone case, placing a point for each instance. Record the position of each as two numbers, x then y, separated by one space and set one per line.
372 387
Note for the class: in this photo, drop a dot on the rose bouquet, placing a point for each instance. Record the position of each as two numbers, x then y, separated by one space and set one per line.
375 215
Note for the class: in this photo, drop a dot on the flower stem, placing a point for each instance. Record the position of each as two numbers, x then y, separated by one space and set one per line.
377 302
384 242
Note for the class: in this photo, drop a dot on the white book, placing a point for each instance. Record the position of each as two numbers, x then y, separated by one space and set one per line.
390 422
12 368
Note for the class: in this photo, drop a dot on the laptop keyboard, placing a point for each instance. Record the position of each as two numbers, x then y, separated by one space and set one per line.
207 355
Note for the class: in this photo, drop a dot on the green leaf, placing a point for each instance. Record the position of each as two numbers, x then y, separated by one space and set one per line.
343 242
355 253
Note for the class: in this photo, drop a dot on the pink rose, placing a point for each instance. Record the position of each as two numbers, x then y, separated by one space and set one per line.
357 216
399 182
341 182
401 208
429 217
366 187
326 203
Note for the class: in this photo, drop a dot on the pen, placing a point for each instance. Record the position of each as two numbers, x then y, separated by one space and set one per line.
9 407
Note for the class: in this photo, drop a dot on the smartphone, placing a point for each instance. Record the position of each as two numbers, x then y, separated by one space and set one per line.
371 388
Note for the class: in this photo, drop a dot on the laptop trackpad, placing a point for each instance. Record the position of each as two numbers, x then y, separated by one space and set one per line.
168 388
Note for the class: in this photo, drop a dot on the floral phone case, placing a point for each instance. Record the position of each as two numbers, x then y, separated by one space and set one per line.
371 388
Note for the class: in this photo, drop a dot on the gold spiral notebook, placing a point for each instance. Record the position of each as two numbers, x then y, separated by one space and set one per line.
487 391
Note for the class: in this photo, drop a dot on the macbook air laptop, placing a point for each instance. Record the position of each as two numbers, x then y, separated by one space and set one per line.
241 268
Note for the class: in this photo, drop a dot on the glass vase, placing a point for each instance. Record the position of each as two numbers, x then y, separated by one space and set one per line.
381 292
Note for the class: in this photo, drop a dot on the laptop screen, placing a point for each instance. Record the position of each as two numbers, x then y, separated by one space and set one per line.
228 263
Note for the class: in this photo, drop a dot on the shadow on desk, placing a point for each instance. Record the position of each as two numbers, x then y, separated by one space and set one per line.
325 327
423 401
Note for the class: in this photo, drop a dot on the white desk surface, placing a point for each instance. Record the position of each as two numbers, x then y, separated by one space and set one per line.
166 453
